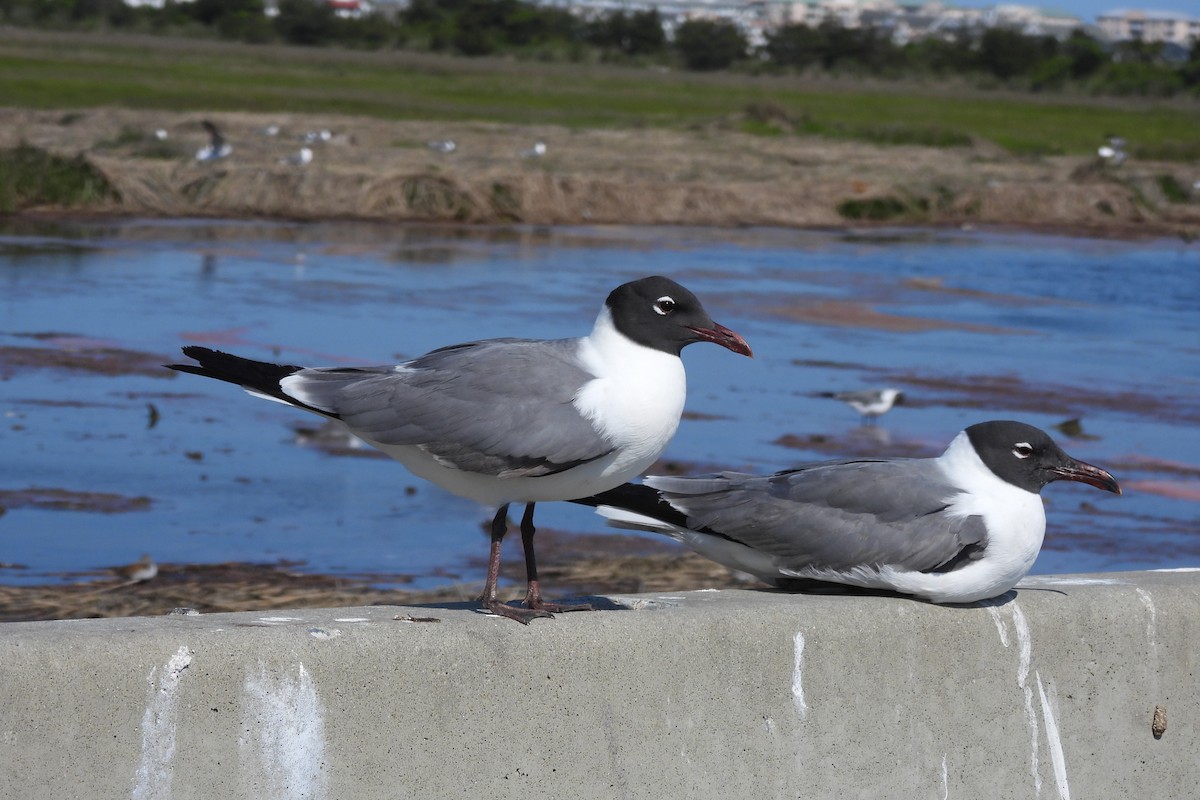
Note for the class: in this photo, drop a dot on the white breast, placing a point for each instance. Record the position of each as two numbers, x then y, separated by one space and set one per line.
636 398
1016 525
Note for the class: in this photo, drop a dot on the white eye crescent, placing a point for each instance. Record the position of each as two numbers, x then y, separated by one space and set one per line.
664 305
1022 450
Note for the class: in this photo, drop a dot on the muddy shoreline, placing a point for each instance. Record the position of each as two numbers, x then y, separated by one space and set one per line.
378 170
239 586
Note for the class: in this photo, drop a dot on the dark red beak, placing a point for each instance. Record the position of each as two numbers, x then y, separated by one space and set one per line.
719 334
1082 472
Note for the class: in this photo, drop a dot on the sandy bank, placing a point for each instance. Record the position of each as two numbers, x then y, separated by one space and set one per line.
384 170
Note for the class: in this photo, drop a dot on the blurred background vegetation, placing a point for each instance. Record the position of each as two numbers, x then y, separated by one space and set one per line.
991 58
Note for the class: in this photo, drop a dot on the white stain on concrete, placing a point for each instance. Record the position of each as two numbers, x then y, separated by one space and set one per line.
1024 658
155 770
1151 622
279 620
282 747
1024 645
1049 698
945 778
798 676
324 633
1001 625
351 619
640 603
1048 704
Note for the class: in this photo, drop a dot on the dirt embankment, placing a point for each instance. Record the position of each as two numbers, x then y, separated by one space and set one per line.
384 170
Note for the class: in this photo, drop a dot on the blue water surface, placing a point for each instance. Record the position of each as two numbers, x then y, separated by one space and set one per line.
972 325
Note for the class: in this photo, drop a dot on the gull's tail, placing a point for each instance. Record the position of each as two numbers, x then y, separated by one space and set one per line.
259 378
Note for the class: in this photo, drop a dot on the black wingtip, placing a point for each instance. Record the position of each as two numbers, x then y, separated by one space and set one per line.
639 499
262 376
198 353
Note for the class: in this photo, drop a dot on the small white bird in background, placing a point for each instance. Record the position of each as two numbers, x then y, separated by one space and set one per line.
161 134
312 137
962 527
217 147
143 569
537 151
869 403
1113 152
271 130
299 159
442 145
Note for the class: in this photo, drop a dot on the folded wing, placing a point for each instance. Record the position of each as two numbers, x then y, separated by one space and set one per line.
835 516
497 407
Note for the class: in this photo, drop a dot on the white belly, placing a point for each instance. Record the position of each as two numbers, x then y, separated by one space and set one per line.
595 476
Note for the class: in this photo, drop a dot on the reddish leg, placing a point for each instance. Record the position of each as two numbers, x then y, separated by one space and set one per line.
488 598
533 595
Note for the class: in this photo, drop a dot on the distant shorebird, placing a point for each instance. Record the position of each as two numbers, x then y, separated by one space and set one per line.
959 528
312 137
300 158
1114 151
537 151
216 148
143 569
161 134
271 130
869 403
507 421
442 145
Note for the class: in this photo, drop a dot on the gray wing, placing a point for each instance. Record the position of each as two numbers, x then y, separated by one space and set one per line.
865 396
834 515
497 407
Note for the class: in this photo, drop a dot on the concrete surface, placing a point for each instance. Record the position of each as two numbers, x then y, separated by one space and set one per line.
1048 693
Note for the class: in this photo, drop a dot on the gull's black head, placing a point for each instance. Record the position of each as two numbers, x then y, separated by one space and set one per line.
657 312
1028 458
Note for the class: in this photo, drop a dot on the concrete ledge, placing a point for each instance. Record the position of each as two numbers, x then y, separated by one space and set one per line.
733 694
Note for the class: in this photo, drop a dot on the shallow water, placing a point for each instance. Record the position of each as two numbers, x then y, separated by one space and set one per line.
972 326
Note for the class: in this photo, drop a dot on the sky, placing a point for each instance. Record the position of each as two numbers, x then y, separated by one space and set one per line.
1088 10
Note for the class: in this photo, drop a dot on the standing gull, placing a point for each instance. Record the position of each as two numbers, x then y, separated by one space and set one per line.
504 421
961 527
216 148
300 158
1113 152
869 403
537 151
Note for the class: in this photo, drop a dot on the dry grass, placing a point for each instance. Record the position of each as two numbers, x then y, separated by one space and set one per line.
383 170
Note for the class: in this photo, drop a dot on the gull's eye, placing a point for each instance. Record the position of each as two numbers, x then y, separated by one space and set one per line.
1022 450
664 305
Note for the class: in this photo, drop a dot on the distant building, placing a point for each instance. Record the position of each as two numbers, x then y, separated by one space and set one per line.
347 9
350 9
904 20
1120 25
151 3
